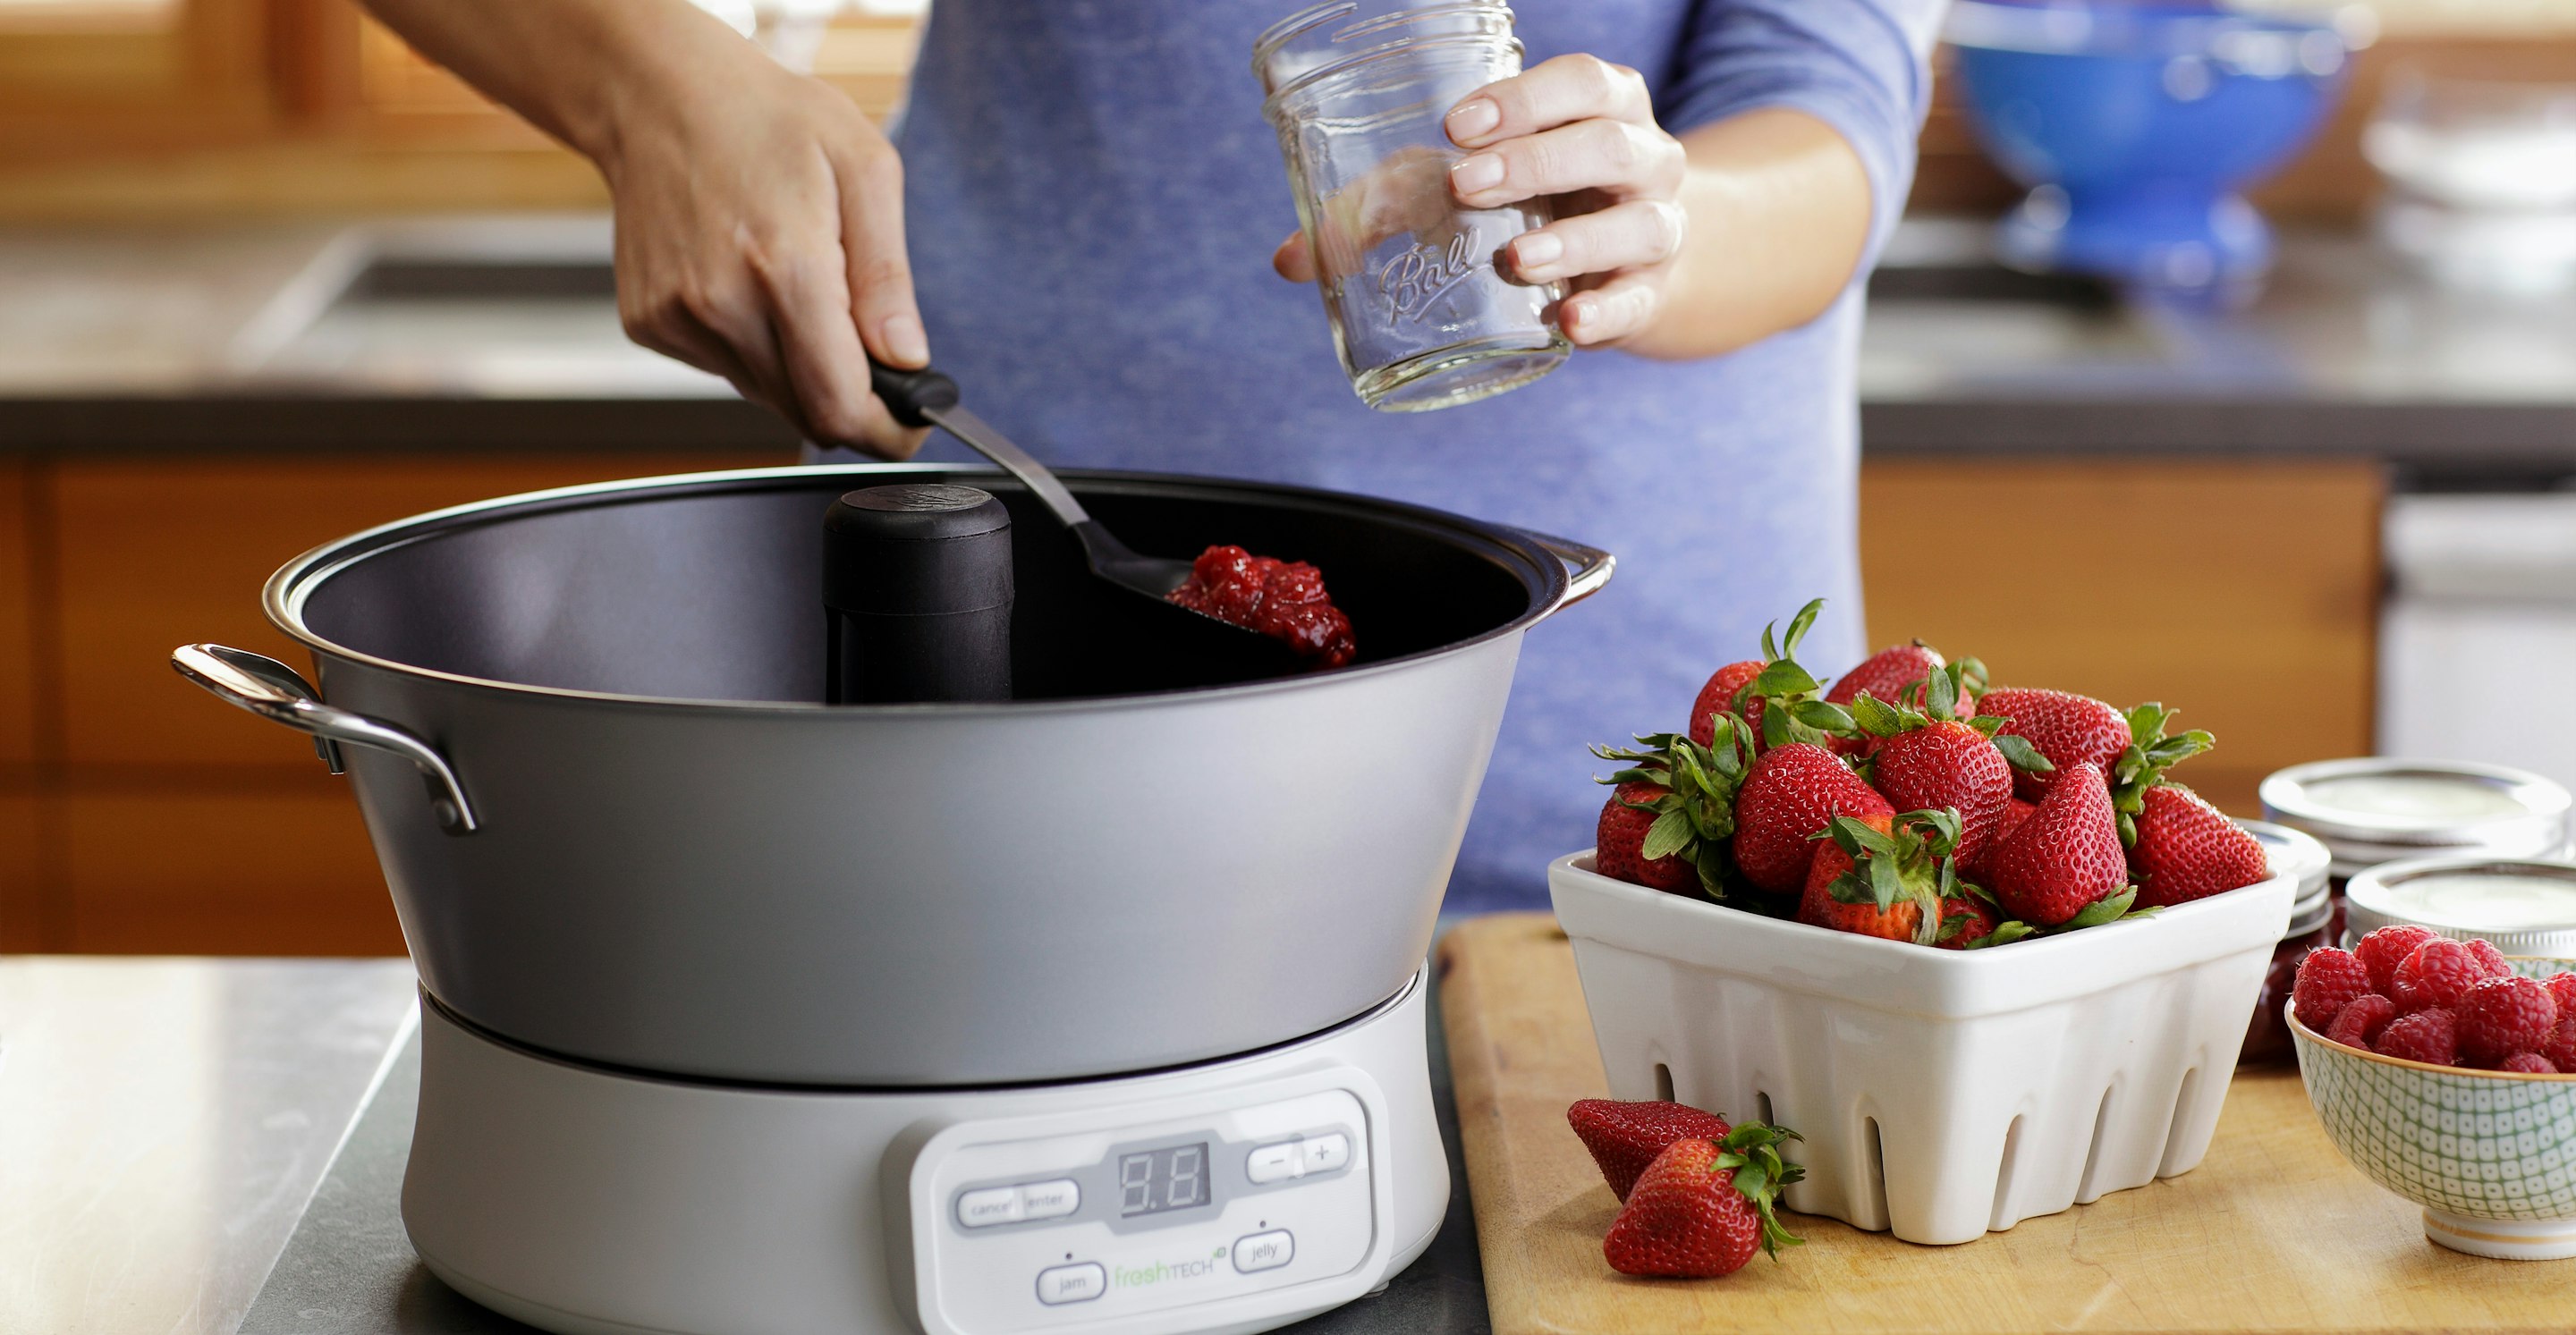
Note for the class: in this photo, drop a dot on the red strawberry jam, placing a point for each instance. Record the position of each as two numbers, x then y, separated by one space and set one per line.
1281 599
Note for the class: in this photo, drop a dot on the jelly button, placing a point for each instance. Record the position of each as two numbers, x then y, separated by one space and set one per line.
1264 1251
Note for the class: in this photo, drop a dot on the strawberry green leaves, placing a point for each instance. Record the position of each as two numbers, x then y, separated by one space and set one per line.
1752 1149
1908 861
2142 766
1793 710
1696 812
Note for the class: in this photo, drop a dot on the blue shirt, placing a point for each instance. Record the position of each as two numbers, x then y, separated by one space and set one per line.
1092 197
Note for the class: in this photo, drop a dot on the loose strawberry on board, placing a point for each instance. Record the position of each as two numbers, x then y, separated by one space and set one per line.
1667 821
1778 700
1788 797
1625 1137
2064 866
1703 1207
1929 758
2067 728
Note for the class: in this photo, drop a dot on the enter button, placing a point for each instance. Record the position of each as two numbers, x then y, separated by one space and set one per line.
1264 1251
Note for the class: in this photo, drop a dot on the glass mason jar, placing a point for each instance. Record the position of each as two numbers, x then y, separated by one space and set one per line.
1421 312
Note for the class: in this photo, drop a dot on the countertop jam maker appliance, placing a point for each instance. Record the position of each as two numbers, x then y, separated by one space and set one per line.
1079 989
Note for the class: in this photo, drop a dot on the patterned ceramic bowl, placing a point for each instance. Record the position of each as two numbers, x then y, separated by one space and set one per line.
2491 1156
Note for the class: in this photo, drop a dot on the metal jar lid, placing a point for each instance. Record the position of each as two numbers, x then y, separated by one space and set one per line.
2526 906
2295 854
2376 809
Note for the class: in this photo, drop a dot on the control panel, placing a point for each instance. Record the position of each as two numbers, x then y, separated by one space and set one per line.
1097 1220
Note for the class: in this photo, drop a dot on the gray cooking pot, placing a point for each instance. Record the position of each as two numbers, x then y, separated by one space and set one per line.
644 842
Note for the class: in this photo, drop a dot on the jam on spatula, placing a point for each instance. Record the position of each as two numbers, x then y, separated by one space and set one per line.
1281 599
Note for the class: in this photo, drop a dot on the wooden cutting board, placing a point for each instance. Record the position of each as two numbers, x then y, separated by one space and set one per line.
2273 1232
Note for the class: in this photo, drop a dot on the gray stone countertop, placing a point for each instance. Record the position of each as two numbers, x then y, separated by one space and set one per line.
494 332
205 1146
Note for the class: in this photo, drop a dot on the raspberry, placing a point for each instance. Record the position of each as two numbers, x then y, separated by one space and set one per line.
2561 1047
2328 980
2426 1036
2489 956
2383 950
2562 989
2359 1023
2437 974
2502 1016
2529 1063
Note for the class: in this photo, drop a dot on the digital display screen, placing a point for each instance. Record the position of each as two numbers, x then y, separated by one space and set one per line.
1172 1178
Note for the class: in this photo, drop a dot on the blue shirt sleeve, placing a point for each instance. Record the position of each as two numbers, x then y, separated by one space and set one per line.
1860 66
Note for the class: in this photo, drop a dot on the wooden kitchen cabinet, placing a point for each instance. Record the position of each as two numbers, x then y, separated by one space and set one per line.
156 553
156 818
18 606
2244 594
275 868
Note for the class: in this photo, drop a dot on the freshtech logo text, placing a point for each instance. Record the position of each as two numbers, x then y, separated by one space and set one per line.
1158 1272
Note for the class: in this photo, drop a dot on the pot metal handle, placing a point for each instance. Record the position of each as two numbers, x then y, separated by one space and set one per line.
280 694
1592 567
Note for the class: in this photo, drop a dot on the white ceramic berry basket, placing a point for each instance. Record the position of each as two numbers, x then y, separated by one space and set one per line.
2489 1155
1941 1093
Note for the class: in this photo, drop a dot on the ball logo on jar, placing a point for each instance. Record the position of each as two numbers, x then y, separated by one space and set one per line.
1413 280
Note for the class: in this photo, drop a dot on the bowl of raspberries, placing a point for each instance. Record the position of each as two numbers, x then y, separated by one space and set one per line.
1972 940
2445 1071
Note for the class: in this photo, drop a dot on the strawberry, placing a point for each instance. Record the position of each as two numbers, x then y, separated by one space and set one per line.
2066 858
1788 797
1778 700
1719 697
2499 1017
2067 729
1887 673
2014 813
2359 1023
2528 1063
2327 981
1703 1206
2439 973
1967 922
2386 948
1930 758
2428 1035
1666 823
1877 876
2187 849
1625 1137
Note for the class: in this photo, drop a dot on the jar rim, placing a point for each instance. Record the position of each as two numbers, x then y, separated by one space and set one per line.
1279 78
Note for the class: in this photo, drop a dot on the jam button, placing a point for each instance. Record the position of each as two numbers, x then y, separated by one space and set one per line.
1063 1284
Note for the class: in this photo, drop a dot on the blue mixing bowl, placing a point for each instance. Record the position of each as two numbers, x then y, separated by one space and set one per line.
2134 125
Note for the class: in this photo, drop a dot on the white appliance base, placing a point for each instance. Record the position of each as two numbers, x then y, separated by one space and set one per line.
597 1202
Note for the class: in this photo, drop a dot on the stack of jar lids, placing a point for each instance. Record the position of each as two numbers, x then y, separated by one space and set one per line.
2297 855
2526 906
2379 809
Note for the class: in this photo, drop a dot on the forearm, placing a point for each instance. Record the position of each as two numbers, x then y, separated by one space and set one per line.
1779 213
571 67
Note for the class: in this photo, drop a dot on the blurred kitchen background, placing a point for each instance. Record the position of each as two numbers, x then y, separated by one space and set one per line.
267 278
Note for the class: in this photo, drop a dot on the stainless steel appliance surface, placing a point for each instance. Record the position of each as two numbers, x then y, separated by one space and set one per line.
645 842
